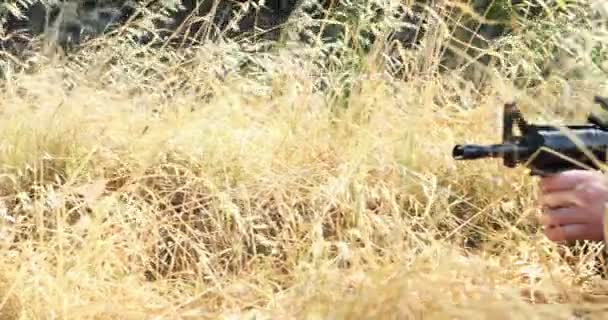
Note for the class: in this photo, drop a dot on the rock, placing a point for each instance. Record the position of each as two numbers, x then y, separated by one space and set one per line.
72 22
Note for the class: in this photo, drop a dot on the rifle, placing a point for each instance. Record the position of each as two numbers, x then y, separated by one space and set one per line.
545 149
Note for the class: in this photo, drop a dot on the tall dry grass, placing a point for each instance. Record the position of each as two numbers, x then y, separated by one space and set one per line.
167 185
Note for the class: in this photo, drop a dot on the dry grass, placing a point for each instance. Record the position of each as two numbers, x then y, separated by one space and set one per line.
129 195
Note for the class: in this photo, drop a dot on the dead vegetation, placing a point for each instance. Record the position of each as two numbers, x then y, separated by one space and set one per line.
135 186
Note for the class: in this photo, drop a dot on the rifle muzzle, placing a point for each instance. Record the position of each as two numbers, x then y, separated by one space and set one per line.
474 151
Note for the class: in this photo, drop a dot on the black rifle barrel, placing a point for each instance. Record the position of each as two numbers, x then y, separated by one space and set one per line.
476 151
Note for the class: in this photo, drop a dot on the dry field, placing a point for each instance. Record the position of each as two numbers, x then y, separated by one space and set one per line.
166 185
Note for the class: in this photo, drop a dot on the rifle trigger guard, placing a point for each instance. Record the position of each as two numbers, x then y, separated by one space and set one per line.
593 119
597 121
602 101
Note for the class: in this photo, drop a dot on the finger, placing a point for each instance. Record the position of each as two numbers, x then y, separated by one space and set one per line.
571 232
563 216
560 199
565 180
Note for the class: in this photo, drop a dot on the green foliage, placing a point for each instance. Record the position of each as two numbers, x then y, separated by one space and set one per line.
499 10
565 43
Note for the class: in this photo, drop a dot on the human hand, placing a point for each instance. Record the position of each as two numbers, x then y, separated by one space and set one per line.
573 205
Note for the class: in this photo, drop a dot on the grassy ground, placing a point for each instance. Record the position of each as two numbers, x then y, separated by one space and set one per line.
126 194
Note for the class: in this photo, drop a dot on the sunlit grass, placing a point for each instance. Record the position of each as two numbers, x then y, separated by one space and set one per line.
183 189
